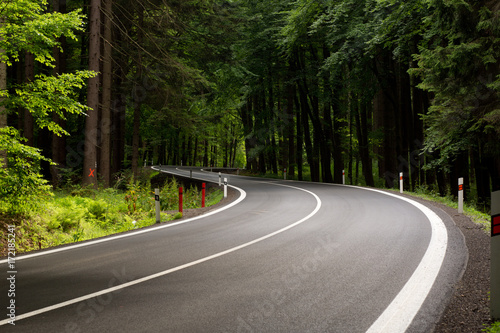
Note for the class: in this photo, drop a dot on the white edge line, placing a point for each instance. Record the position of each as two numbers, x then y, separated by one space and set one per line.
398 316
131 233
171 270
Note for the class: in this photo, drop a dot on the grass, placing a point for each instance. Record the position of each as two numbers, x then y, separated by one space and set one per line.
78 214
493 328
470 209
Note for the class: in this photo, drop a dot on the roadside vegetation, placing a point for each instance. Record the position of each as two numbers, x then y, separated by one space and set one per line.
76 213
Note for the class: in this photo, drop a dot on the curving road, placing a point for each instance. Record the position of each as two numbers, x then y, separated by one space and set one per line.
285 257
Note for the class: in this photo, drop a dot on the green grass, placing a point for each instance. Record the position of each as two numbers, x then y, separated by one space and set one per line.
494 328
470 209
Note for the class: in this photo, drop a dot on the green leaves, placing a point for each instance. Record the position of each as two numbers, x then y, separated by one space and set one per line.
459 63
52 94
21 181
25 27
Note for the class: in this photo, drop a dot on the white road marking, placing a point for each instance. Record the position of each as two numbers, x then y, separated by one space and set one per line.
175 269
132 233
398 316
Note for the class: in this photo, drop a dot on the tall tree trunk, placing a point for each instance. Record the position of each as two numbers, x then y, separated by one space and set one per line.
300 140
58 141
106 117
338 126
405 128
290 131
195 151
92 121
137 102
386 116
364 149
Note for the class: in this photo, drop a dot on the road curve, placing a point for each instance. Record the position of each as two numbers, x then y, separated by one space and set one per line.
289 257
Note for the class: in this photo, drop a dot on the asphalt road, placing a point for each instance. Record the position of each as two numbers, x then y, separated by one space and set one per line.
285 257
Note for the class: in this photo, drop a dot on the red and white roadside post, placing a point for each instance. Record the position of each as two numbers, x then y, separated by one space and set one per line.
343 177
180 199
225 187
460 195
202 195
157 204
400 182
495 256
284 173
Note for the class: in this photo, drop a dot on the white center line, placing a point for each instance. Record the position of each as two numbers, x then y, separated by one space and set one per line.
175 269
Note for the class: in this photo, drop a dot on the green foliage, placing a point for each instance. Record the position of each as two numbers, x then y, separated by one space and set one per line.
48 95
458 63
26 26
20 183
494 328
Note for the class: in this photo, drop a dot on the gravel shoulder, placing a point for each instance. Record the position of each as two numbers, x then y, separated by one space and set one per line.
468 309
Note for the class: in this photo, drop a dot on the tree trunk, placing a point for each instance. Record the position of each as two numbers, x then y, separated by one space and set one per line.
137 102
300 139
106 118
58 142
364 149
92 121
290 132
385 113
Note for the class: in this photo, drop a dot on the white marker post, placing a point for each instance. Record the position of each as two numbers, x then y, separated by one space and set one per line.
220 178
495 256
284 173
400 182
157 204
191 173
343 177
225 187
460 195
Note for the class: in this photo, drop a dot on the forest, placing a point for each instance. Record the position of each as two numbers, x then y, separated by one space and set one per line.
92 88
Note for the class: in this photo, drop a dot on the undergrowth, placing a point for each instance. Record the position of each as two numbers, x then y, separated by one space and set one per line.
494 328
470 208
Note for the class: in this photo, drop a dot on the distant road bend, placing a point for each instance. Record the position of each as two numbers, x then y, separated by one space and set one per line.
284 257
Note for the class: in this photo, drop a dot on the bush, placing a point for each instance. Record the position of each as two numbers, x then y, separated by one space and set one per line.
21 184
494 328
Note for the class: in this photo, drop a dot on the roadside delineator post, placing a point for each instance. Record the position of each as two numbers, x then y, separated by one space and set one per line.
495 256
180 199
460 195
238 171
220 178
400 182
284 173
343 177
202 195
157 204
225 187
191 173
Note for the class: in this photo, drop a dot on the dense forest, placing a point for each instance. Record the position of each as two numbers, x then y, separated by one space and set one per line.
372 87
